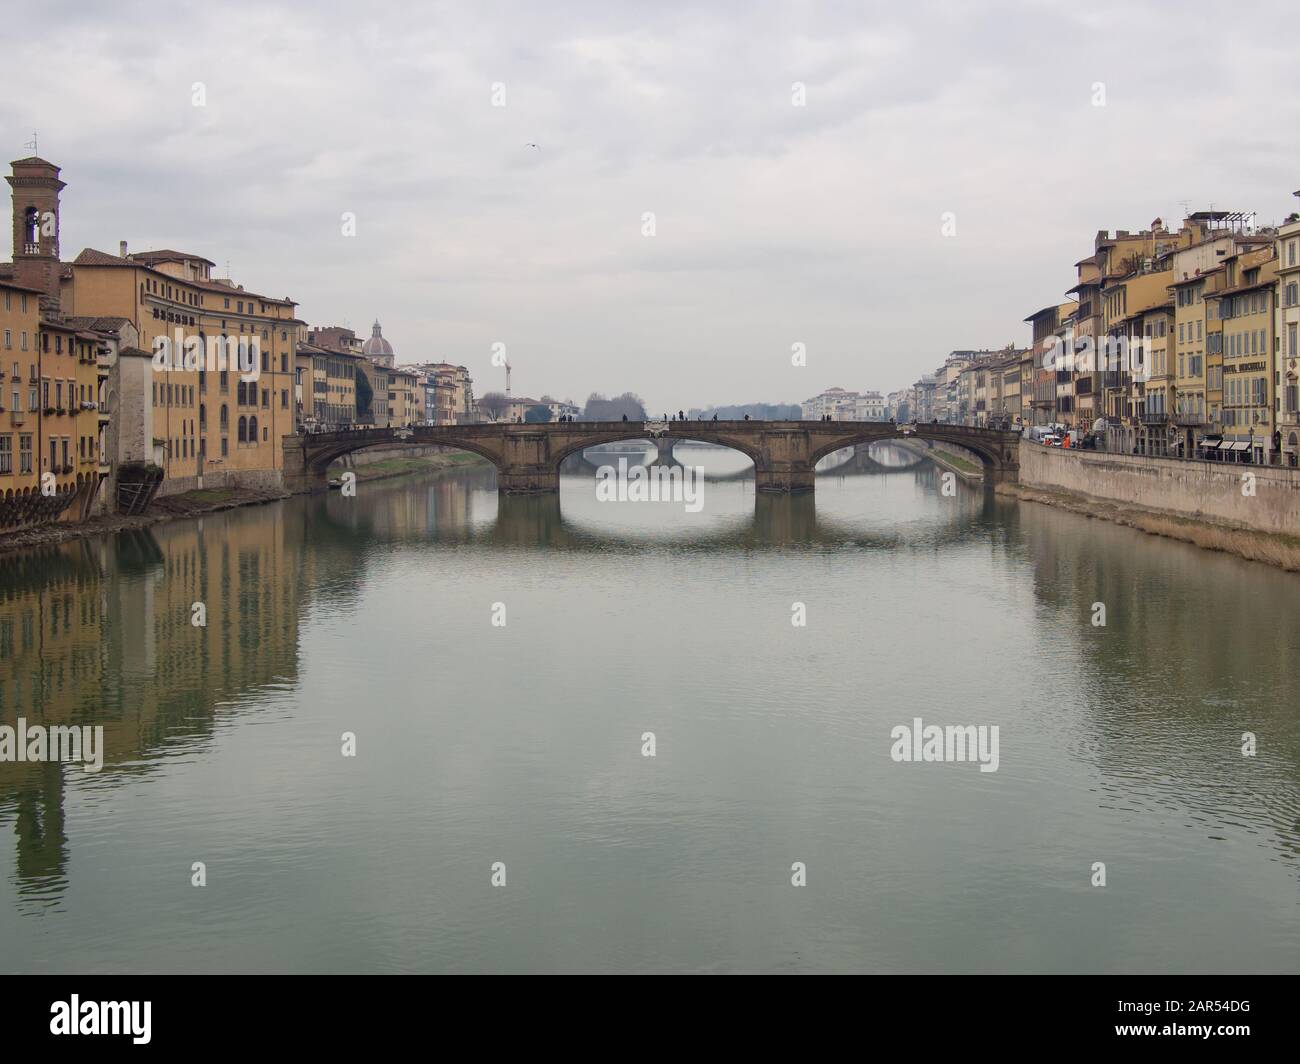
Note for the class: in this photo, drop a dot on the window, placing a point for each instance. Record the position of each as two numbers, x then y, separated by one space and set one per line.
252 429
243 429
225 420
6 454
25 454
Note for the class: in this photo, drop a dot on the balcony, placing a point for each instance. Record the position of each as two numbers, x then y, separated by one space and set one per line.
1190 420
1157 417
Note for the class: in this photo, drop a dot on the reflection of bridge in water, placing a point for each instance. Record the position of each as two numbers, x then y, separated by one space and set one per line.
528 457
853 460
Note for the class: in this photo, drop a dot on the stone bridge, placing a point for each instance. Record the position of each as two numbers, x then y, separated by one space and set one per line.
527 457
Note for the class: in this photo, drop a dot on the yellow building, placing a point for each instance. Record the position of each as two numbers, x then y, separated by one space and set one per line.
333 387
1191 405
224 361
1155 402
405 397
1246 309
21 414
1131 305
51 456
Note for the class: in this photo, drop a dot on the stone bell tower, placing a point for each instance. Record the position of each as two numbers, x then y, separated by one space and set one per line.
36 188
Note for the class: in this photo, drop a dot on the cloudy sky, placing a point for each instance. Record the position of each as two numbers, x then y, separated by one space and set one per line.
774 224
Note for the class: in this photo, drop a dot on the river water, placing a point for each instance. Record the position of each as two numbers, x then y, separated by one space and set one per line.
521 745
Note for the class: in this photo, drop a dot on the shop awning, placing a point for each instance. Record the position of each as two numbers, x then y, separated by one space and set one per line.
1235 445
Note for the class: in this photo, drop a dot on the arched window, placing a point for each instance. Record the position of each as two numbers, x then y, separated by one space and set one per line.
252 429
32 226
225 418
203 416
243 429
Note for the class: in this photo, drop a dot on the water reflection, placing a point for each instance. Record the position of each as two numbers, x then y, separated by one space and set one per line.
1131 729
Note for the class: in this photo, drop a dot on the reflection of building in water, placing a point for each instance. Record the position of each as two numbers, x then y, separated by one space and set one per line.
98 632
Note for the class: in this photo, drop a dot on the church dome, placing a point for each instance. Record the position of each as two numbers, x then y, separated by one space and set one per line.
377 346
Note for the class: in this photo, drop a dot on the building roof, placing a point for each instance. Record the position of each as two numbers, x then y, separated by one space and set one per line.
5 283
105 323
167 255
315 349
94 257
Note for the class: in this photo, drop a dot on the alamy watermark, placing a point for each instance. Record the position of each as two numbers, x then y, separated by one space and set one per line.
953 742
59 742
213 354
638 483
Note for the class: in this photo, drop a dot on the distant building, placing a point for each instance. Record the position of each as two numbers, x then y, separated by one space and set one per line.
839 403
870 406
452 390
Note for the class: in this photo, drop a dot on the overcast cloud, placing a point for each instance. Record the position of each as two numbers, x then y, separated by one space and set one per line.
775 224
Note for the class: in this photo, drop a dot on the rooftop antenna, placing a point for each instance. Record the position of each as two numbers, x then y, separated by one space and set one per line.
507 377
32 144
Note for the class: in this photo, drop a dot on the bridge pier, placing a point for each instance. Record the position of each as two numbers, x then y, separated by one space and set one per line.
528 482
297 473
792 481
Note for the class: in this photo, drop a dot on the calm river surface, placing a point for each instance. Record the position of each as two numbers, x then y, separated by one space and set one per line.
522 743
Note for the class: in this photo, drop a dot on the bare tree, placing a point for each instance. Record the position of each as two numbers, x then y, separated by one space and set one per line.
493 405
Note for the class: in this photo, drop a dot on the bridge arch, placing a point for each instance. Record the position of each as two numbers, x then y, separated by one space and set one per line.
750 452
325 454
989 452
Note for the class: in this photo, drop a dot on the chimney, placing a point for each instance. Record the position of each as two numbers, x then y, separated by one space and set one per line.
121 248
